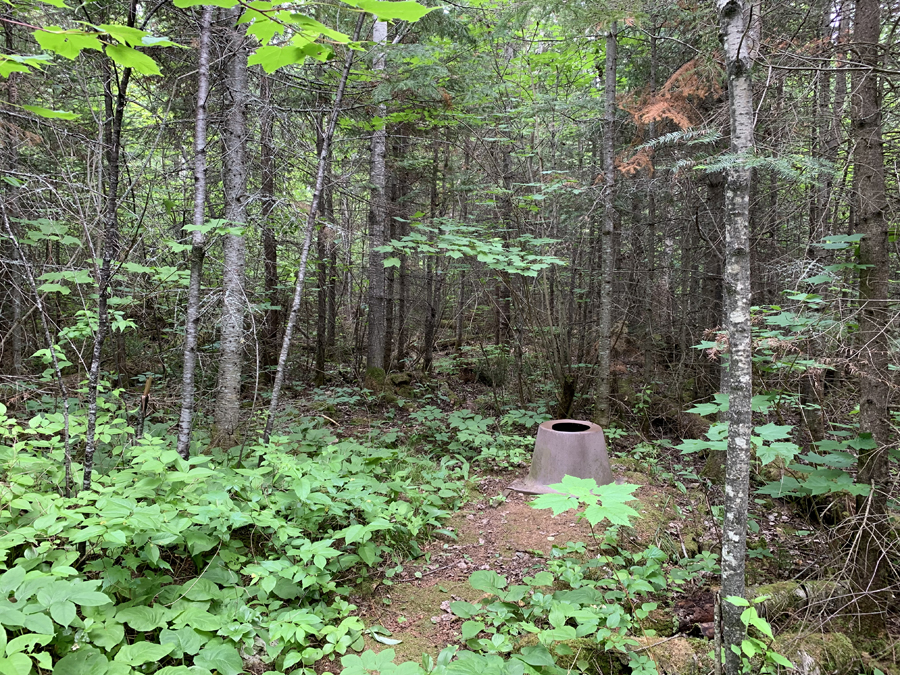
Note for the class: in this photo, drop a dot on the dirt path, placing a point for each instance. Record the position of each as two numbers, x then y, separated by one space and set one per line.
509 537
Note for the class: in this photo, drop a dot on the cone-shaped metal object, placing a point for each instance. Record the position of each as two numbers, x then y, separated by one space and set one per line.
566 448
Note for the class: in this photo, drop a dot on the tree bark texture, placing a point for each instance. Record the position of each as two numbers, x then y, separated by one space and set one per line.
874 315
377 222
604 319
234 135
739 25
270 243
198 242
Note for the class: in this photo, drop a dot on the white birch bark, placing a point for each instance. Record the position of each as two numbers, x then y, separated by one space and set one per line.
739 24
198 242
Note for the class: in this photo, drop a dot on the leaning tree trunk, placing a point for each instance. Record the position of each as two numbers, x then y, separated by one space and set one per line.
739 23
377 222
318 191
874 315
604 320
234 135
198 242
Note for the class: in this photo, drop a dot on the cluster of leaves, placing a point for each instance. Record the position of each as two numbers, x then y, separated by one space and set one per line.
457 241
477 437
175 566
809 474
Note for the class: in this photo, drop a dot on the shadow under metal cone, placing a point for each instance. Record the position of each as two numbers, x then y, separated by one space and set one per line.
566 448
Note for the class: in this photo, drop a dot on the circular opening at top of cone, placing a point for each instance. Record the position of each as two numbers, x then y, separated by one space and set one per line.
570 426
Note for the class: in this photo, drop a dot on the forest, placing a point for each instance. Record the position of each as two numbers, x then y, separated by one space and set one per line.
287 290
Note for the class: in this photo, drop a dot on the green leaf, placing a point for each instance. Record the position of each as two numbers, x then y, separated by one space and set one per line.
223 658
186 640
140 653
11 580
128 57
85 660
392 262
471 628
557 502
15 664
464 610
537 656
738 601
405 10
773 432
66 43
487 581
143 619
63 612
50 114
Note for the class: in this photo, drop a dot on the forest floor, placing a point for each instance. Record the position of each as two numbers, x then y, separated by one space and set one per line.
499 530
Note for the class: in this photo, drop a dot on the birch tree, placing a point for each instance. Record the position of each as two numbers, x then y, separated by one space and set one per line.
198 241
740 29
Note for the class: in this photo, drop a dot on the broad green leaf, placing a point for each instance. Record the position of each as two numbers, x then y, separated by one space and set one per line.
738 601
140 653
63 612
66 43
464 610
385 640
26 643
392 262
128 57
537 656
186 640
405 10
471 628
223 658
85 660
11 580
107 635
488 581
15 664
143 619
50 114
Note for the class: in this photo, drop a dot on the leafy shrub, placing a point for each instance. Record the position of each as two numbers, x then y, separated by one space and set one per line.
192 566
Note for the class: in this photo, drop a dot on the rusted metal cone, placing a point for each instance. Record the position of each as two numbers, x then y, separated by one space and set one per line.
566 448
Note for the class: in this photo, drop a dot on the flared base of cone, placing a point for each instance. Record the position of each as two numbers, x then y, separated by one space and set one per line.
526 487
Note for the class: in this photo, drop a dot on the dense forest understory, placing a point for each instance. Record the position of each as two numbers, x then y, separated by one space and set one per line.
287 288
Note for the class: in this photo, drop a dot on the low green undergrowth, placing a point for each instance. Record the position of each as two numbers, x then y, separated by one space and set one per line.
170 566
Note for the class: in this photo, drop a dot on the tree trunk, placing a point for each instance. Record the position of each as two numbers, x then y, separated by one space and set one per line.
874 315
114 111
604 322
234 135
270 244
377 223
198 242
740 30
318 191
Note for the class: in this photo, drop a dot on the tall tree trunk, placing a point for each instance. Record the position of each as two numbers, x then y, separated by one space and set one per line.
318 190
740 29
10 162
874 315
270 244
198 242
604 322
234 135
377 223
114 111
